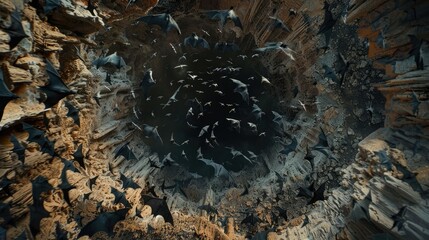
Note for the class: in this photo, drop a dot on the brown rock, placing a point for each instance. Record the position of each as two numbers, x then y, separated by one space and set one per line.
18 75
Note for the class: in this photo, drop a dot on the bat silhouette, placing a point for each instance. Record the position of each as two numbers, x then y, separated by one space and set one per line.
51 5
18 148
328 23
164 20
5 214
125 151
289 148
276 46
91 7
195 41
112 59
73 113
104 222
305 221
318 194
209 209
282 212
37 136
152 132
128 182
251 219
241 89
16 31
399 218
226 47
278 23
341 67
37 213
78 156
65 186
5 94
306 192
218 169
147 82
323 140
223 16
173 98
55 90
257 112
409 177
39 185
159 207
361 209
120 197
415 103
416 51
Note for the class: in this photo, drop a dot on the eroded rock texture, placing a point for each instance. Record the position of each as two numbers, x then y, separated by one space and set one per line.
351 99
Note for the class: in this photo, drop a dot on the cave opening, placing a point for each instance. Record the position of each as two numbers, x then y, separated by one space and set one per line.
225 110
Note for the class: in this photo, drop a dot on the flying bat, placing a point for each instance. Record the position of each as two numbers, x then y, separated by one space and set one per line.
399 218
223 16
73 113
361 209
159 207
289 148
18 148
341 67
128 182
104 222
91 8
218 169
173 98
195 41
305 221
328 23
209 209
164 20
147 82
226 47
125 151
278 23
16 31
318 194
38 186
257 112
55 90
241 89
417 51
323 140
409 177
78 156
5 214
51 5
120 197
37 213
282 212
152 132
251 219
112 59
276 46
65 186
306 192
5 94
415 103
37 136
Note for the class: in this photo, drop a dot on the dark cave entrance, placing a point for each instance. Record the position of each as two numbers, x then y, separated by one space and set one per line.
211 120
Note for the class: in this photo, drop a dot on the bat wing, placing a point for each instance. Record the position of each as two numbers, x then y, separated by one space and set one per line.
78 156
128 183
5 94
39 185
203 43
172 24
18 148
115 60
51 5
73 113
104 222
120 198
156 19
16 31
290 148
236 20
125 151
218 169
37 213
318 194
159 207
55 90
323 140
215 14
34 134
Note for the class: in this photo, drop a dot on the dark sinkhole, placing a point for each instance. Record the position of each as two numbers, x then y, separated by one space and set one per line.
213 119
